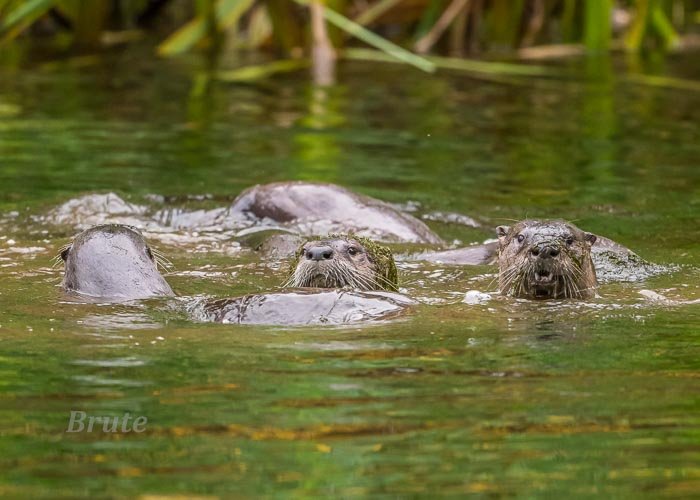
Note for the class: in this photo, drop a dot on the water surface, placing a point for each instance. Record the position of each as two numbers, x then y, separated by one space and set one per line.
501 398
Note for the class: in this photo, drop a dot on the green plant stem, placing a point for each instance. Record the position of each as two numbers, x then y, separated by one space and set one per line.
664 28
596 33
467 65
373 39
638 28
376 11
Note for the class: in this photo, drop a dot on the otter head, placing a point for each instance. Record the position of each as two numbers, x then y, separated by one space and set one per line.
545 260
112 261
341 261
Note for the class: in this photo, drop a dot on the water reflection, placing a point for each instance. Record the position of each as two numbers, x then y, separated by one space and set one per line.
316 148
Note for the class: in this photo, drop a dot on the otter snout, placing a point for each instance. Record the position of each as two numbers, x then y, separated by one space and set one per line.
544 251
543 256
319 253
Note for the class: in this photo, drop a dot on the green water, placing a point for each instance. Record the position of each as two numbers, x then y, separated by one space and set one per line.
505 398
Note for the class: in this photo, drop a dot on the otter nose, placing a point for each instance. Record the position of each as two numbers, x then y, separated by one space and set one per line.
319 253
544 252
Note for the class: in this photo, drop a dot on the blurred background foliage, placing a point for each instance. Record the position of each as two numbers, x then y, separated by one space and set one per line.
316 32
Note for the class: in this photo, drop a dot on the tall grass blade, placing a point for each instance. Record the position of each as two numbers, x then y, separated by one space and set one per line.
5 7
431 13
597 29
451 12
664 28
374 40
467 65
374 12
227 13
23 15
638 28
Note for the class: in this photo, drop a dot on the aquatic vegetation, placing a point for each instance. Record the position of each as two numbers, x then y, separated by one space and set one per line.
401 31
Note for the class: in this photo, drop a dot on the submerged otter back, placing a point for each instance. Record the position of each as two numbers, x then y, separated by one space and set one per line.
304 307
317 208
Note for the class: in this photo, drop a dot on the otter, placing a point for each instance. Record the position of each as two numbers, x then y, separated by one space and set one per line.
333 264
344 261
113 262
312 208
545 260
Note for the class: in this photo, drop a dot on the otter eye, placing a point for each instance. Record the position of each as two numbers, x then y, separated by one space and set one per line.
570 240
353 251
64 254
149 253
521 238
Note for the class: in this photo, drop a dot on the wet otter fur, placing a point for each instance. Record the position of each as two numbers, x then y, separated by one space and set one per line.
545 260
114 262
339 261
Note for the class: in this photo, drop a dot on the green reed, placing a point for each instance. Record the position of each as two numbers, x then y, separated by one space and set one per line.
394 27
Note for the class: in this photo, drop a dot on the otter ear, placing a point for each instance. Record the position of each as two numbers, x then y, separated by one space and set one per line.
502 231
590 237
64 254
